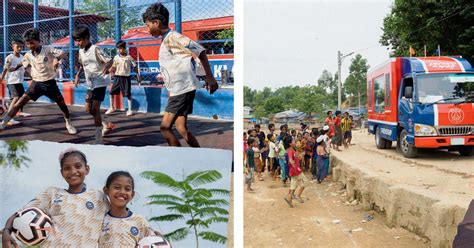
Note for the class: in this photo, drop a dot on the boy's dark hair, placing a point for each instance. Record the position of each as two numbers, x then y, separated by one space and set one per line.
117 174
72 152
315 131
287 141
270 136
250 131
338 112
305 132
257 126
282 126
271 125
81 32
158 12
32 34
293 131
250 141
245 133
18 41
121 44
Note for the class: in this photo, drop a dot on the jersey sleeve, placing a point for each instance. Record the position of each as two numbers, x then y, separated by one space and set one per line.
101 56
43 200
115 62
132 61
8 62
56 52
190 45
26 60
146 228
102 202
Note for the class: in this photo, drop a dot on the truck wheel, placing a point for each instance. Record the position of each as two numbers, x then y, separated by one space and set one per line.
408 150
379 141
388 144
466 151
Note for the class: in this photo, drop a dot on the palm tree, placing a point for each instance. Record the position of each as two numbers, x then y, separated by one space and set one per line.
13 154
198 206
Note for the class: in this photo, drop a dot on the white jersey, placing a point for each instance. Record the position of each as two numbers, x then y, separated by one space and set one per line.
123 65
77 218
42 65
93 61
123 232
177 64
18 76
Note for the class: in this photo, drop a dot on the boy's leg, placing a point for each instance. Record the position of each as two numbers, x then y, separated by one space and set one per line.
129 100
14 109
182 127
95 112
111 106
114 90
165 128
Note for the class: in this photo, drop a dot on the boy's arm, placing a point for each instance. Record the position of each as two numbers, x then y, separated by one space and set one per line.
16 68
77 79
211 83
7 239
5 69
135 68
104 58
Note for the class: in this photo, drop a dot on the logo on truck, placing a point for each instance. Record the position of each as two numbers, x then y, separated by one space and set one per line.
455 115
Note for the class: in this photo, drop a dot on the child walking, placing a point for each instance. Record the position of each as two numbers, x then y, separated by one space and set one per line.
122 68
121 227
298 178
94 63
43 61
77 212
15 75
178 67
250 164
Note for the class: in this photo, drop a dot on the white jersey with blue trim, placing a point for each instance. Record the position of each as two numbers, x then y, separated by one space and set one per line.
77 218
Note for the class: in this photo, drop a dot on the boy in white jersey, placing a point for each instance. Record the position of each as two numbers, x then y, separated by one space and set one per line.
94 63
43 61
122 227
122 67
77 213
178 68
15 75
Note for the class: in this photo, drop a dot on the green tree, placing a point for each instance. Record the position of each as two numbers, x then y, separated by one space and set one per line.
195 204
418 23
356 84
311 99
227 34
13 154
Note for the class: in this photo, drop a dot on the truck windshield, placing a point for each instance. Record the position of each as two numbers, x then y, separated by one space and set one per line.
445 88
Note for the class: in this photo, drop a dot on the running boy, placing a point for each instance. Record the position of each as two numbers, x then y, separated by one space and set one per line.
122 67
94 63
177 63
43 61
15 74
298 178
77 213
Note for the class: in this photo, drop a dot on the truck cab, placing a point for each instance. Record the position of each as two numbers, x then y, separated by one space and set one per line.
425 102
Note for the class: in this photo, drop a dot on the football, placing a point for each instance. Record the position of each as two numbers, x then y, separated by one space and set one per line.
32 226
153 242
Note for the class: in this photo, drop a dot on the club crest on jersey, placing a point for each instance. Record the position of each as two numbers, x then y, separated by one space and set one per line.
45 59
134 231
455 115
89 205
57 199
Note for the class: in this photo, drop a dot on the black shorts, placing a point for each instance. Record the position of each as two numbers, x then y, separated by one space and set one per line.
48 88
16 90
97 94
181 104
347 134
122 84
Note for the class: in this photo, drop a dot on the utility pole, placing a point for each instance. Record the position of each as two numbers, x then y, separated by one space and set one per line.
340 57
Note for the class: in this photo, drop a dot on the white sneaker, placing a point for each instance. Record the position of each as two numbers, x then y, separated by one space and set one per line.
109 111
70 128
23 114
107 128
13 122
129 112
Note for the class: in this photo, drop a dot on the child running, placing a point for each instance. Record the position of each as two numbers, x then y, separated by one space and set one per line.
298 179
122 227
178 67
122 68
43 61
15 75
77 212
94 63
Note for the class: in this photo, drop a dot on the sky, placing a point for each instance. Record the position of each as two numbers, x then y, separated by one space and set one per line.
292 42
18 187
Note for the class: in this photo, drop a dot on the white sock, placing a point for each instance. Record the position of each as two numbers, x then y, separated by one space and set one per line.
111 102
130 104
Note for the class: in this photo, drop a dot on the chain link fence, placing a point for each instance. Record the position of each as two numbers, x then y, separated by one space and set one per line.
210 22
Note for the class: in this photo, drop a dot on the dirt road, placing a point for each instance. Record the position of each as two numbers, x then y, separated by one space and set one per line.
269 222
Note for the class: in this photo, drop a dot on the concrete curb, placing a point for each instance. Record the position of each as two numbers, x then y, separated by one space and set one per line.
403 206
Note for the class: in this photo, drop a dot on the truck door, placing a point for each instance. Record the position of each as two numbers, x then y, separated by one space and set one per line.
405 106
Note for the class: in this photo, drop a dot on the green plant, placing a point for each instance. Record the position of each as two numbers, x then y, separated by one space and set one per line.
13 153
198 206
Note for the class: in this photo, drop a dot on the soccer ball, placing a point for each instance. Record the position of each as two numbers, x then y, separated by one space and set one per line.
153 242
32 226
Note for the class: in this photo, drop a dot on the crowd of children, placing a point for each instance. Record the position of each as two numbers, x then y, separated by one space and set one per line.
178 55
288 155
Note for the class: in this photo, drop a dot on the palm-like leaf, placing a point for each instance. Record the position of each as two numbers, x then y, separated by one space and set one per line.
178 234
214 237
219 192
162 179
167 203
217 220
211 211
164 197
212 203
202 177
168 217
